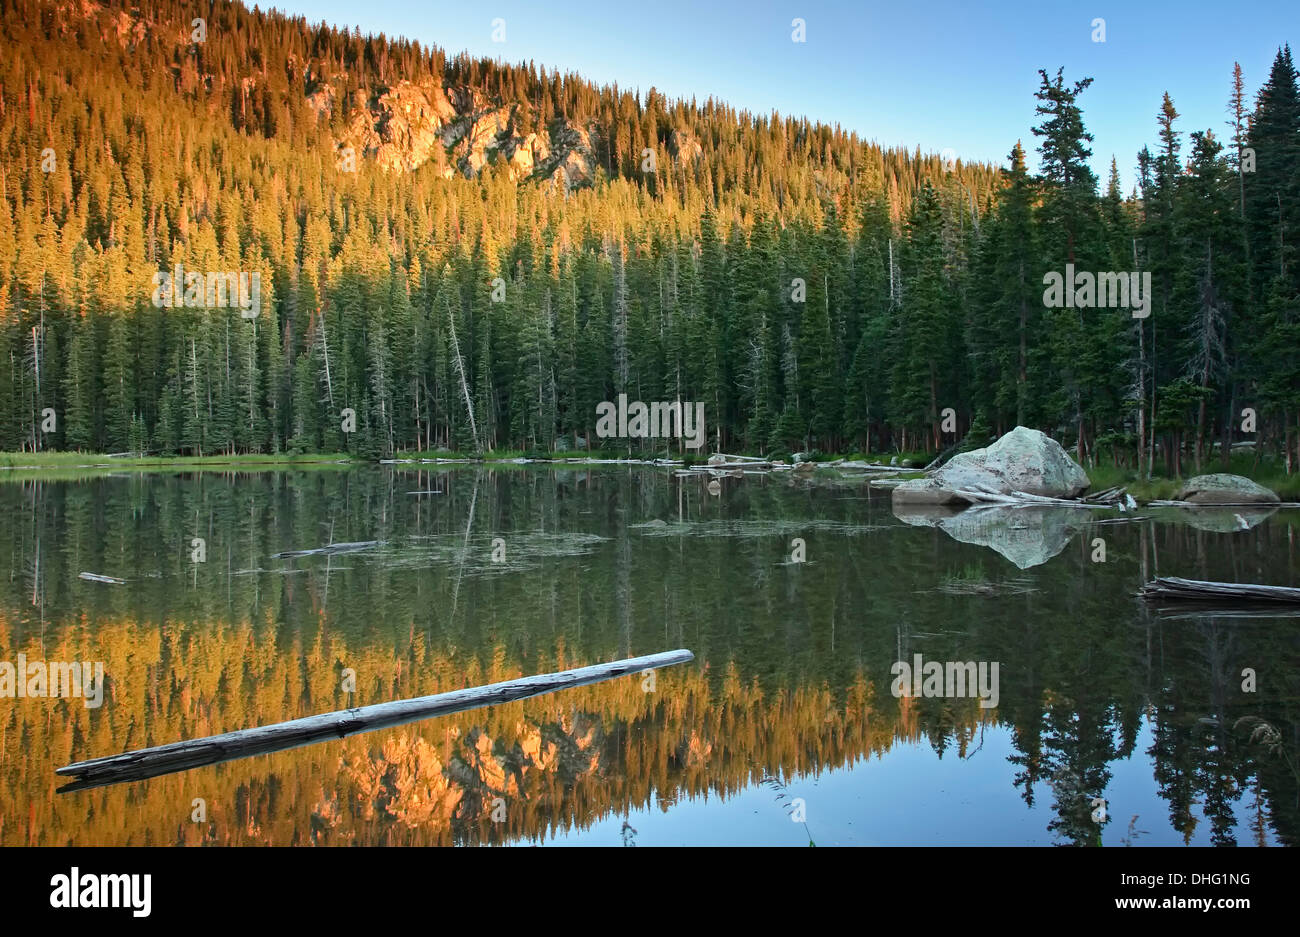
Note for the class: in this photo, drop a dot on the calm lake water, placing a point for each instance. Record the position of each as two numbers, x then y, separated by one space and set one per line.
1114 722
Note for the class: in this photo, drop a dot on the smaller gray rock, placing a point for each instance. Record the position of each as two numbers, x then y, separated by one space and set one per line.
1226 489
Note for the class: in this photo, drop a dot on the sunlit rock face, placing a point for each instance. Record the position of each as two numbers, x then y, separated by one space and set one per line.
458 130
1026 536
684 147
1226 489
1024 460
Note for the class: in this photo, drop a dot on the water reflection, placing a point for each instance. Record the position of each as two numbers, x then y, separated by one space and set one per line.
1026 536
1225 520
521 571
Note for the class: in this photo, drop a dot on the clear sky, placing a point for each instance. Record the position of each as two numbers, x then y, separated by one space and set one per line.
934 74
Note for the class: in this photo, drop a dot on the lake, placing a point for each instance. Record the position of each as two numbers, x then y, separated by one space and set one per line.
1115 723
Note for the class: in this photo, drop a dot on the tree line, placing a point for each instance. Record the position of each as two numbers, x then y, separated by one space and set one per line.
813 290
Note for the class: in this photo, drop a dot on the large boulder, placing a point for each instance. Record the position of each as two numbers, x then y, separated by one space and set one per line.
1226 489
1022 460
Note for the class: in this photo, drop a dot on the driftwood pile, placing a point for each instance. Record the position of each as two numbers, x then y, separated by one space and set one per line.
329 549
1111 497
96 577
1198 590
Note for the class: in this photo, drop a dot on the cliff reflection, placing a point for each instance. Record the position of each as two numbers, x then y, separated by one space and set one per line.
792 676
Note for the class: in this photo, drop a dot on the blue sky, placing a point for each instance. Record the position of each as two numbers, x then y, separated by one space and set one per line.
933 73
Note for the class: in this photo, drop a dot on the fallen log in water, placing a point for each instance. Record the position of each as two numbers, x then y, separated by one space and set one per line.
1020 498
1198 590
1109 496
873 467
242 743
1197 611
96 577
330 548
1165 503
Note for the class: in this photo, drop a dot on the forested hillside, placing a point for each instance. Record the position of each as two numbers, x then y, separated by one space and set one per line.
474 255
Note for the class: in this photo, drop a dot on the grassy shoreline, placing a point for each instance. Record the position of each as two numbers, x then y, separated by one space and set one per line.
72 466
37 460
1269 474
69 465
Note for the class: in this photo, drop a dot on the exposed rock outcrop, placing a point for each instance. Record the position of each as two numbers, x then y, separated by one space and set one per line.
407 126
684 147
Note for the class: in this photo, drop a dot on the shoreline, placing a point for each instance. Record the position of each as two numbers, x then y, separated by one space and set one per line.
25 465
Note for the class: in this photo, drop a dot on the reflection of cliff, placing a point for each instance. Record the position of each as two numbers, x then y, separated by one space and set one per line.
195 650
538 766
556 762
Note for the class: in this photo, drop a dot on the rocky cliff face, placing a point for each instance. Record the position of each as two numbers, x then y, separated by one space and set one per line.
403 126
406 126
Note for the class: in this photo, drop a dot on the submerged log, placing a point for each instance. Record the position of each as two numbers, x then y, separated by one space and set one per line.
1198 590
242 743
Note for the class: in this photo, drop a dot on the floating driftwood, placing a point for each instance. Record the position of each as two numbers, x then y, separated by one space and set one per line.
431 491
1021 498
1198 590
1164 503
242 743
1195 611
1117 495
96 577
330 548
757 465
